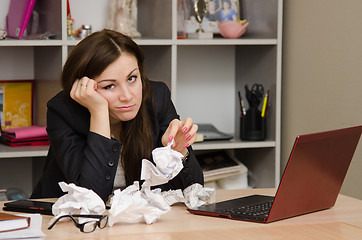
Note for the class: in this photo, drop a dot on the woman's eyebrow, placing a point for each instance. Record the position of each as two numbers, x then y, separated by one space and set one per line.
106 80
132 72
114 80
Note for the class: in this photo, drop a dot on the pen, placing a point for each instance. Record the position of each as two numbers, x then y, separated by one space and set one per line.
241 105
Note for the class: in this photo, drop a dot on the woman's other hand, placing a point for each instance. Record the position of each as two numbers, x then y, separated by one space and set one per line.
84 91
182 132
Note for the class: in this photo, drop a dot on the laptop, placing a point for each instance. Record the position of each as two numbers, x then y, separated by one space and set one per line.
211 133
311 181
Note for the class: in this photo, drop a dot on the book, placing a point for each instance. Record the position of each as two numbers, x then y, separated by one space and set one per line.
18 17
25 133
29 142
25 136
29 206
10 222
16 99
32 232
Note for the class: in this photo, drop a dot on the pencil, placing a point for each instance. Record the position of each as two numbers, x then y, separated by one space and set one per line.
264 105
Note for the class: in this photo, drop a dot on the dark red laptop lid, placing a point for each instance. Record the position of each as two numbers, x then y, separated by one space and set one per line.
315 172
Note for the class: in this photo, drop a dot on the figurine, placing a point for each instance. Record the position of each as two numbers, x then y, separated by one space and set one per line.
123 17
3 34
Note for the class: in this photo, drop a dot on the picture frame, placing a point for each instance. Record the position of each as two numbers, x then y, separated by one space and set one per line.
16 103
217 11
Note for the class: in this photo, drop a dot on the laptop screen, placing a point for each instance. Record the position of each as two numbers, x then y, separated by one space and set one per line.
315 171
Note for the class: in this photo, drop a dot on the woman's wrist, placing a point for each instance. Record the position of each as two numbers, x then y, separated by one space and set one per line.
185 156
99 123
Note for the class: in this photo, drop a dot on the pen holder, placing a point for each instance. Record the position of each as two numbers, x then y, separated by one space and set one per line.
253 126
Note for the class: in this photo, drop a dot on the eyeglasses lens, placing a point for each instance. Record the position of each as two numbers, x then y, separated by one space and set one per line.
103 222
89 226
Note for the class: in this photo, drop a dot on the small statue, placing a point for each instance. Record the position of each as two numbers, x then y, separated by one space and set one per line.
123 17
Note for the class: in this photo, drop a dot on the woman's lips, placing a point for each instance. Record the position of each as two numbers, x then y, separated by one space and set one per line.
126 108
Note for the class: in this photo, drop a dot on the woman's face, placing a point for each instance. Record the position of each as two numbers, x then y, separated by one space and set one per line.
121 85
226 5
212 6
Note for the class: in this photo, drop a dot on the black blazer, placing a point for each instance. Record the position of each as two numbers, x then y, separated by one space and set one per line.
90 160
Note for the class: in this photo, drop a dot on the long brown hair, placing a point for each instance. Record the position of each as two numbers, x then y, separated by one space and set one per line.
90 58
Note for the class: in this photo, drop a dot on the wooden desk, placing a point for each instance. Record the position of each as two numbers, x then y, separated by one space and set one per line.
343 221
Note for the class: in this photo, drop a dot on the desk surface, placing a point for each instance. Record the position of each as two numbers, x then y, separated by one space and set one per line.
343 221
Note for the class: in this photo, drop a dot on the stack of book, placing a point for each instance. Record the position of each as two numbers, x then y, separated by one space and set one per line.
25 136
20 226
219 164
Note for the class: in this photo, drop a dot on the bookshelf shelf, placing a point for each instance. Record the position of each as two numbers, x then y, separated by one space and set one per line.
21 152
30 43
228 42
41 151
232 144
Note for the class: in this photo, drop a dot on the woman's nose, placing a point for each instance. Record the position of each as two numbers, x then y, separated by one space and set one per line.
124 94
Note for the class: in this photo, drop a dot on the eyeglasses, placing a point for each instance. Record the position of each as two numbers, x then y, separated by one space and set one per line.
88 226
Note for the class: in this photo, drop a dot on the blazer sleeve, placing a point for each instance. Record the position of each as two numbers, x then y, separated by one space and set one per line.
165 112
85 158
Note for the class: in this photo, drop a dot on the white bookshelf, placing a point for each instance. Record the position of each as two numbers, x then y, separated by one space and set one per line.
203 75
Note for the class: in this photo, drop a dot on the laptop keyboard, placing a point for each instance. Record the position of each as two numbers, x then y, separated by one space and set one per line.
257 210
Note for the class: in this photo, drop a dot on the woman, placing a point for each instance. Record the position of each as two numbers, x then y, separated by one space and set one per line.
228 12
108 118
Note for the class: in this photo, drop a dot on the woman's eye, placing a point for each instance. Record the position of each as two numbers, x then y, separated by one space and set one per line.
132 79
110 86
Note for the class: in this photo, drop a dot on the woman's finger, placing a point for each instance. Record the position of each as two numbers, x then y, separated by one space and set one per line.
186 124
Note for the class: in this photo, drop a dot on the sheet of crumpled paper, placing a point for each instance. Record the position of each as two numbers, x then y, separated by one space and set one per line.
168 165
135 204
196 195
131 206
77 199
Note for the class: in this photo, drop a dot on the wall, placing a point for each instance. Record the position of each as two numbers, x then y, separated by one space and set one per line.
3 12
22 179
322 74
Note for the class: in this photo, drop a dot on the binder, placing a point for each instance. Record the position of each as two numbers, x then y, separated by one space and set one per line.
18 17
